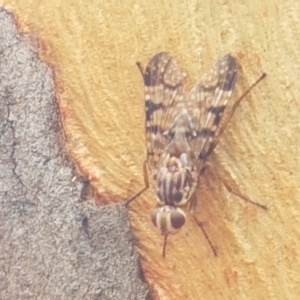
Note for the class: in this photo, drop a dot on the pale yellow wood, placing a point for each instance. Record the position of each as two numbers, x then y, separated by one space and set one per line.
93 47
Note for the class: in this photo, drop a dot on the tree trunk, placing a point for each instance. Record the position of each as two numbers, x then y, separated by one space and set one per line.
93 48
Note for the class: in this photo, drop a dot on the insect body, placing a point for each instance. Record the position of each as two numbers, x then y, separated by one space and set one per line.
181 132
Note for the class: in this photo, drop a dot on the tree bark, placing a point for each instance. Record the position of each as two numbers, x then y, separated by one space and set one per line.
55 243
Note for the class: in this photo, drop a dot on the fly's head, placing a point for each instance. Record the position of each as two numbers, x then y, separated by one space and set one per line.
168 219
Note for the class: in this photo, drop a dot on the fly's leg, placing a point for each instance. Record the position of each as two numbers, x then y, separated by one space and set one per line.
233 109
193 204
201 225
146 181
139 65
233 191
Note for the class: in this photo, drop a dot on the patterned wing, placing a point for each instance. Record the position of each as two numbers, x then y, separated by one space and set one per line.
206 103
163 91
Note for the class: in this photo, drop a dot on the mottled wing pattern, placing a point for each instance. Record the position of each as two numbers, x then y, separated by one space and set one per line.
206 103
163 82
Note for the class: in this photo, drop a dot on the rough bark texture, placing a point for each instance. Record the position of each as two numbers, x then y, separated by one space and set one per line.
54 243
93 46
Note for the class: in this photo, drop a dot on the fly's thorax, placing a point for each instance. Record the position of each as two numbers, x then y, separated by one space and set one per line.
174 181
168 219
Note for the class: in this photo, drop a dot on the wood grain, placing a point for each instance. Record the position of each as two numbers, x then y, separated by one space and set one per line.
93 47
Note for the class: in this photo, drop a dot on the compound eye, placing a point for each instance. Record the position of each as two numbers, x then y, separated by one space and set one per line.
155 217
177 218
168 219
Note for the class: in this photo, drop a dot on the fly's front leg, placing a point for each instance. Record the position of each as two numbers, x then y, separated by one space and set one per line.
146 182
233 191
233 109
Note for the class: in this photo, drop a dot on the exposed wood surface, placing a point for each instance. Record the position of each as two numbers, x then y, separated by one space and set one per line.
93 47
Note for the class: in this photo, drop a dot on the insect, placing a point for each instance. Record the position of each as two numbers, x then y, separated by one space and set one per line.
182 130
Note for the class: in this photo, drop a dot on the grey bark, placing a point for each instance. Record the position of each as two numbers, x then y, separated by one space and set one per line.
53 243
